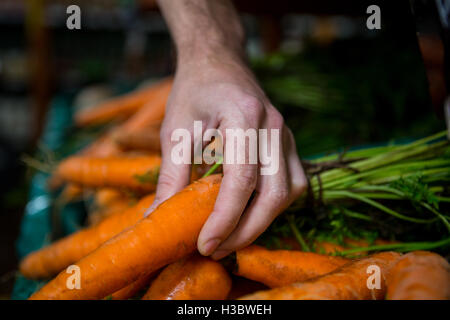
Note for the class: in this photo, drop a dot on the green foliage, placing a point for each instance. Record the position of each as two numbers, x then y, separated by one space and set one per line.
397 193
416 190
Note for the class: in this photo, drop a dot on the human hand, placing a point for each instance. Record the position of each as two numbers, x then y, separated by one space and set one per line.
221 91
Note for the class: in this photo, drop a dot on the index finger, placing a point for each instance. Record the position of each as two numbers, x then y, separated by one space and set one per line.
238 183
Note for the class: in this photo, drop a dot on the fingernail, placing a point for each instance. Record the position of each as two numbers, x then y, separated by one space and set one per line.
210 246
219 254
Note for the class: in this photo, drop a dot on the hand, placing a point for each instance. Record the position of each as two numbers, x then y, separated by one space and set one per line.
223 93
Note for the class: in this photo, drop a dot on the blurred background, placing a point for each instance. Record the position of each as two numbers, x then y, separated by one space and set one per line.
337 83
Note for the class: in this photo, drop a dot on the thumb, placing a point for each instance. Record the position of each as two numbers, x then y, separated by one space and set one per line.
172 177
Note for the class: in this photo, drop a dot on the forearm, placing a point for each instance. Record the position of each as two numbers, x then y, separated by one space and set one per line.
204 28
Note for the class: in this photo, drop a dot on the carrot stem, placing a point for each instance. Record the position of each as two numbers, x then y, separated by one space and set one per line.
297 234
213 168
411 246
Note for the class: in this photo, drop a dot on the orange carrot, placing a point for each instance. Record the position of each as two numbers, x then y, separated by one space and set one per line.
135 172
328 247
106 196
349 282
193 278
108 201
104 146
142 139
150 114
419 275
168 234
331 246
54 182
97 216
242 286
126 105
71 192
276 268
52 259
132 289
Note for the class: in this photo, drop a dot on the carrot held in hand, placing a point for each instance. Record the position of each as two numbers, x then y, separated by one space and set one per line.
124 106
276 268
137 173
349 282
50 260
168 234
419 275
192 278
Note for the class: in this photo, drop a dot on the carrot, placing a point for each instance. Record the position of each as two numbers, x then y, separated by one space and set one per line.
52 259
420 275
168 234
126 105
193 278
331 246
106 196
151 113
97 216
349 282
71 191
54 182
107 202
328 247
142 139
276 268
104 146
132 289
135 172
242 286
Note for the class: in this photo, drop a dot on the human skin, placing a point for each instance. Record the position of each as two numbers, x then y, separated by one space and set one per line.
213 84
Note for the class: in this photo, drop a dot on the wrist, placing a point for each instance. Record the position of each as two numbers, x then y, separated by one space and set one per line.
204 57
207 54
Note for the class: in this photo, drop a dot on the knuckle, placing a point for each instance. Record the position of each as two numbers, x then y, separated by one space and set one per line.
165 180
299 186
290 135
279 196
165 133
252 105
228 223
276 119
245 179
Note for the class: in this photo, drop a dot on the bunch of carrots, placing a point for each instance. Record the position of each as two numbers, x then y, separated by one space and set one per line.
121 254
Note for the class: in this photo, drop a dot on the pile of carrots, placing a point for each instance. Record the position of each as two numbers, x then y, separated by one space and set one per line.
121 254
